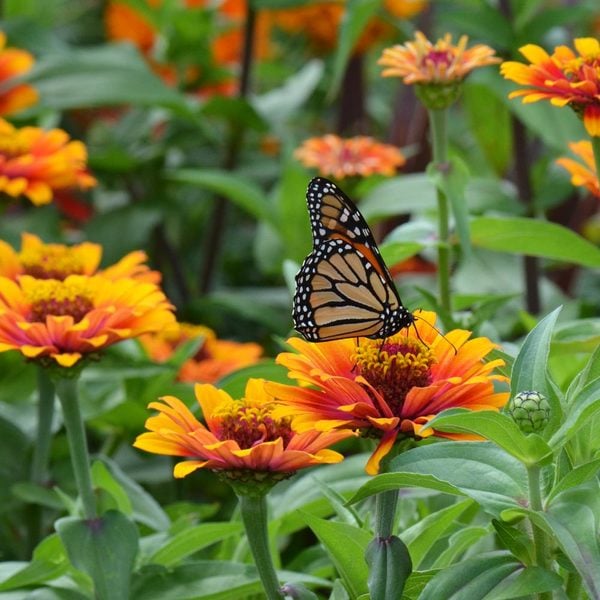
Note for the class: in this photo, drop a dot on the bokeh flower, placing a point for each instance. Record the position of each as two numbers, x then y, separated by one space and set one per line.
389 388
241 438
337 157
565 78
59 322
583 173
58 261
14 63
36 163
213 360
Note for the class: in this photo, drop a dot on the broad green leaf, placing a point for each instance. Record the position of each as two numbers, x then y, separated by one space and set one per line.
416 583
395 252
104 548
34 493
573 478
346 545
514 540
241 191
590 372
519 235
188 541
573 517
582 335
238 112
458 544
102 479
106 75
495 576
235 383
389 567
421 537
497 428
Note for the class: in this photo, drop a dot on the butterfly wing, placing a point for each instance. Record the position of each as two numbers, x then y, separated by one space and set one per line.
343 288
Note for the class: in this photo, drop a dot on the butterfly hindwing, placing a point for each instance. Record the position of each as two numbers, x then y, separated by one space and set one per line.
343 288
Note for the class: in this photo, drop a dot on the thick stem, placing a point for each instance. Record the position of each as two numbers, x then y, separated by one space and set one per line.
385 513
80 459
45 413
254 516
439 143
540 540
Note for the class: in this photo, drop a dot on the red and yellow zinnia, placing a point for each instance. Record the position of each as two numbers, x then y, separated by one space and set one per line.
240 436
360 156
583 173
36 163
566 78
14 63
388 388
59 322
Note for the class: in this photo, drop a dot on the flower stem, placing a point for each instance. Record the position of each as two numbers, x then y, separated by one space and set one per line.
439 141
385 513
254 516
80 459
45 413
596 149
540 540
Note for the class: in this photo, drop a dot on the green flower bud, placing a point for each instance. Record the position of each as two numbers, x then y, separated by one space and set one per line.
530 411
438 96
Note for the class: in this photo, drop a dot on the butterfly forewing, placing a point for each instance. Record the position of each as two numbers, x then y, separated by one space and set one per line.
343 288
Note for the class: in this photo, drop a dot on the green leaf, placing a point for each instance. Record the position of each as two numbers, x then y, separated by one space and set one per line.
241 191
102 478
576 337
104 548
346 545
238 112
495 576
106 75
514 540
518 235
497 428
389 567
416 583
235 383
573 478
356 16
459 543
188 541
422 536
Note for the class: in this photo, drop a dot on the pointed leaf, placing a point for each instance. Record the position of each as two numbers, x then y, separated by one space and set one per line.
573 478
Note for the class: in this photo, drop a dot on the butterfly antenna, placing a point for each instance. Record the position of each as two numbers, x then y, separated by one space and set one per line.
435 329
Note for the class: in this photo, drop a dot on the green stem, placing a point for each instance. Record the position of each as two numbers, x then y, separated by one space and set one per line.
385 513
540 540
45 413
254 516
573 587
596 149
80 459
439 143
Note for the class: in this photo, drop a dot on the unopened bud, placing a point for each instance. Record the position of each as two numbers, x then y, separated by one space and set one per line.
530 411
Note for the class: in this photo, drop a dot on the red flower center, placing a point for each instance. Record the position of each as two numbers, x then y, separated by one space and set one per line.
438 58
393 369
250 425
57 298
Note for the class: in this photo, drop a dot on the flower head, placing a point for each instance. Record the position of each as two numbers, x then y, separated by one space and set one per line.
14 63
390 388
339 158
582 173
58 261
61 321
566 78
214 359
241 438
35 163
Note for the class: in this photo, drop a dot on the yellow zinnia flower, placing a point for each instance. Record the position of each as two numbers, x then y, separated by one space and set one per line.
566 78
241 437
391 388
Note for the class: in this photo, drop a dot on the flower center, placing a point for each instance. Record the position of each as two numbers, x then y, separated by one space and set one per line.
51 261
437 58
248 424
394 368
50 297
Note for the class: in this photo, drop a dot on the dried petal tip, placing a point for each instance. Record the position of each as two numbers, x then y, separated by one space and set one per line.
530 411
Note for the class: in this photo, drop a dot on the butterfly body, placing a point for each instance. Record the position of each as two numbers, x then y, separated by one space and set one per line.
343 288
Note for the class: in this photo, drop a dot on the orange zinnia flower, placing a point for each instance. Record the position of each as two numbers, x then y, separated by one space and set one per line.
35 163
564 78
391 388
240 436
214 359
61 321
421 62
14 63
337 157
582 173
58 261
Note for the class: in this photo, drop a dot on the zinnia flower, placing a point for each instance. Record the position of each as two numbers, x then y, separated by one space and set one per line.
564 78
35 163
582 173
336 157
214 359
61 321
388 388
240 436
422 62
14 63
58 261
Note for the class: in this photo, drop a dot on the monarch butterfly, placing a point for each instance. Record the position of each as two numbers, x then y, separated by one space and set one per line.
343 288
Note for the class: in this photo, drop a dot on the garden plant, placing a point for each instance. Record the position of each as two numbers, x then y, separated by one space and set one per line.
299 299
